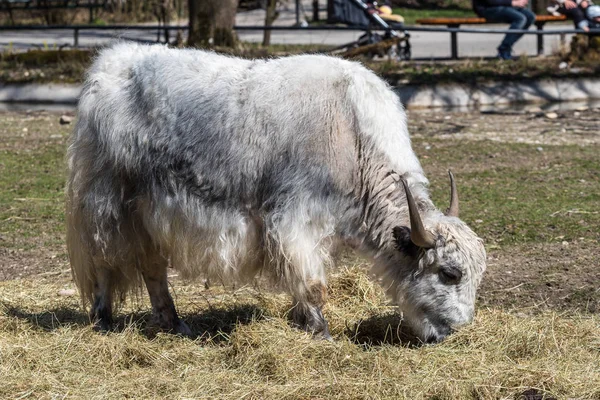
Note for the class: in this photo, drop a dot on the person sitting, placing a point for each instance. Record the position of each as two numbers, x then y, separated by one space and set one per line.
592 14
577 11
514 12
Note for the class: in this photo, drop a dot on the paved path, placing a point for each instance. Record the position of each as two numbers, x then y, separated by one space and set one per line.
425 44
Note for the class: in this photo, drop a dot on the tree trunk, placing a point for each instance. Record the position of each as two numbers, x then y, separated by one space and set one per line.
211 23
270 17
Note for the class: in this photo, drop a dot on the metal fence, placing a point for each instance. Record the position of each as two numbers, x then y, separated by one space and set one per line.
409 28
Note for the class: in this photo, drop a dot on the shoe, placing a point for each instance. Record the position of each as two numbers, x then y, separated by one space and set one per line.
504 54
553 10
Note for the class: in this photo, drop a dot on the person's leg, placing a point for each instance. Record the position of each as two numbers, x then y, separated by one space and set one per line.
529 15
517 20
577 14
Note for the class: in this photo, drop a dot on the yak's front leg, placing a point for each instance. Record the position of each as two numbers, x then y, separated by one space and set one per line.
301 259
163 308
308 310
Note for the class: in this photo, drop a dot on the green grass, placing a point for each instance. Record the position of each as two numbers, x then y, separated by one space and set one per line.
520 194
517 195
68 66
32 180
411 14
472 71
31 197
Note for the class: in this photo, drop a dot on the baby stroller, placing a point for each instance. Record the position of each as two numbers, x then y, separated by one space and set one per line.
394 43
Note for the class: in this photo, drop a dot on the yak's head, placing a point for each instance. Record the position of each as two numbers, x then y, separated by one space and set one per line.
436 288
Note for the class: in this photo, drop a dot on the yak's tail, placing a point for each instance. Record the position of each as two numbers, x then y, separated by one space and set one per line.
80 253
82 266
97 239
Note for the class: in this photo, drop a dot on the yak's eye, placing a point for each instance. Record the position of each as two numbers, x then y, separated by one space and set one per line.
450 274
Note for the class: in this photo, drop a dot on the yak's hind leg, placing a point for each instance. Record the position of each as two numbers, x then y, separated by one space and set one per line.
163 308
101 313
108 285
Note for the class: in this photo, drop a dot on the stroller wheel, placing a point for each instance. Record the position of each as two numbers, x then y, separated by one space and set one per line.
404 51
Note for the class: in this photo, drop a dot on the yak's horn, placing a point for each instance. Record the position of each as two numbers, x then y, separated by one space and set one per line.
452 211
418 235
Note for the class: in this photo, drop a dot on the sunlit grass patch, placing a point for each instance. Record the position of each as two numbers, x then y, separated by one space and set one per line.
516 193
32 195
412 14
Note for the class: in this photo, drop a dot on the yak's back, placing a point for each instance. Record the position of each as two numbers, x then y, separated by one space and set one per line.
198 107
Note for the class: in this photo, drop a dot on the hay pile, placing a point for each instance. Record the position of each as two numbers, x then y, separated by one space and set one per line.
245 348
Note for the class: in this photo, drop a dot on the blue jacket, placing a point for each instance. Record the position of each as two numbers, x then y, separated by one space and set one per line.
480 5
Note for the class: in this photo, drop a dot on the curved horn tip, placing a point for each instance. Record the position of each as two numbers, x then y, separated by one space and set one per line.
452 211
418 234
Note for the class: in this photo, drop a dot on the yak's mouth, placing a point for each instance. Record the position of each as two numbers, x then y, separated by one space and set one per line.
438 336
436 332
429 328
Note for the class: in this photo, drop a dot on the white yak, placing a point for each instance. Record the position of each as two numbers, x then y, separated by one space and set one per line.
225 168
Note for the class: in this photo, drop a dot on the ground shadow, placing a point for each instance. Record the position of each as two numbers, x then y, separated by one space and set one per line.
382 329
215 324
51 319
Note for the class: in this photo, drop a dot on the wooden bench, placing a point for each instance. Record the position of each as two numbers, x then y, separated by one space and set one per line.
540 21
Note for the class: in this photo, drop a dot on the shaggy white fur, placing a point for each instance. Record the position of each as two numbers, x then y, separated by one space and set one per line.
226 167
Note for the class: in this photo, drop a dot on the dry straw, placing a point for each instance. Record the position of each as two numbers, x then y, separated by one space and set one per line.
246 349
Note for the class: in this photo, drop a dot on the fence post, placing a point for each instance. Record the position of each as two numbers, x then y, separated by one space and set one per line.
453 43
75 37
540 38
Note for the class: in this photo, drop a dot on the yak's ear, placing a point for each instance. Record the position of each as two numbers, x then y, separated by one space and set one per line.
403 242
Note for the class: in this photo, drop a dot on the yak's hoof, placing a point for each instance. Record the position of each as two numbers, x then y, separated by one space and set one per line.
323 336
178 327
101 319
182 329
319 332
102 326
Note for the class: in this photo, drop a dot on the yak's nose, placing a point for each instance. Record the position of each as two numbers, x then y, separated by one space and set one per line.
441 333
436 338
432 339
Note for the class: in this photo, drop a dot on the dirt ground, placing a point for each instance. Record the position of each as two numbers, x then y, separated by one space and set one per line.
530 125
538 276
